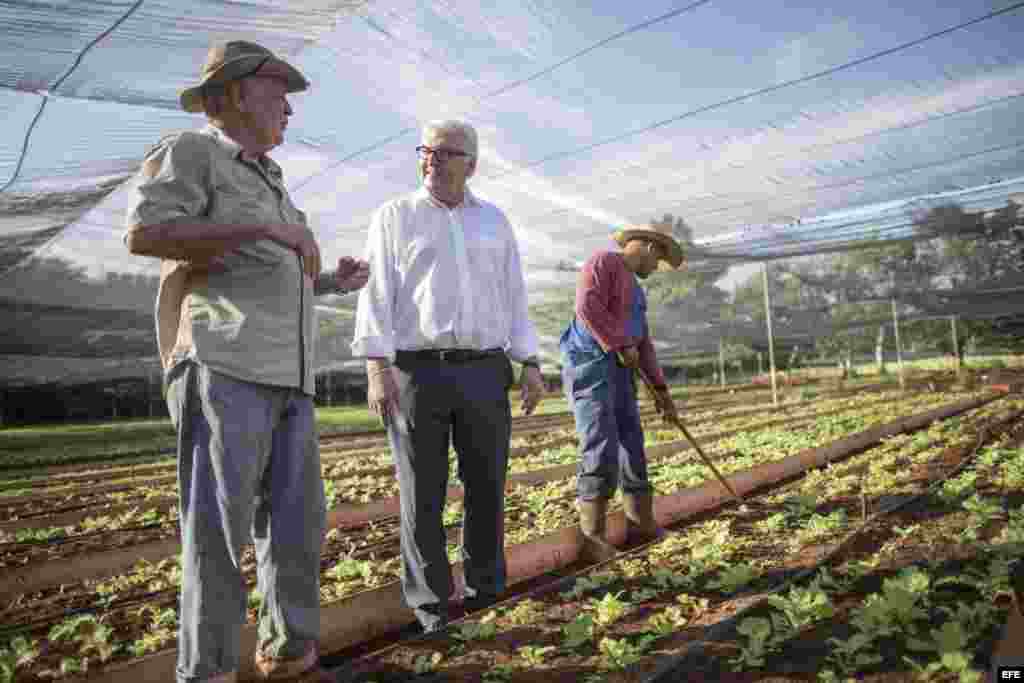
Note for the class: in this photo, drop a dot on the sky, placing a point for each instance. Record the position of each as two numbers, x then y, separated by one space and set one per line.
730 114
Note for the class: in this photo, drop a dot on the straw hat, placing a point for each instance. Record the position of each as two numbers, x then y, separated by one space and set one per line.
237 59
659 236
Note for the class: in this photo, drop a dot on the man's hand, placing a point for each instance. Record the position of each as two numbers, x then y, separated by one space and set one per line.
531 388
630 357
352 274
665 405
382 389
300 239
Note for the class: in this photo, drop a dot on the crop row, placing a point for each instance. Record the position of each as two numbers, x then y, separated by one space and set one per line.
345 574
121 502
146 510
896 592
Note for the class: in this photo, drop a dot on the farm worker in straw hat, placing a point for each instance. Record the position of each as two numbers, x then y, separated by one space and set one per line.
443 314
606 340
236 332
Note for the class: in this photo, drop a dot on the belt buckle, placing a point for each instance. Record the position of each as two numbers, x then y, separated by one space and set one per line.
445 355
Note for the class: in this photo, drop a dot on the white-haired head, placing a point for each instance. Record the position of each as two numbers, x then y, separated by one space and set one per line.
465 130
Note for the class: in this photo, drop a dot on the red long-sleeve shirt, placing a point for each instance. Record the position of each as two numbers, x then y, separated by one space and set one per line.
604 300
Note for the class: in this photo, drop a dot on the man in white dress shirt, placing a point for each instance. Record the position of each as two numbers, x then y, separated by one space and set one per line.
444 311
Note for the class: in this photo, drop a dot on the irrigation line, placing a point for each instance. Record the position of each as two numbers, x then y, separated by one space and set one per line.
721 631
67 614
67 540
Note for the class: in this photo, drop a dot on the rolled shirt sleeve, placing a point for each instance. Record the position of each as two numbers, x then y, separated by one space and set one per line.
174 182
523 340
374 332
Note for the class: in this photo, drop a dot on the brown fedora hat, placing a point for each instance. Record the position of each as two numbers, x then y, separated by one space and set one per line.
237 59
671 246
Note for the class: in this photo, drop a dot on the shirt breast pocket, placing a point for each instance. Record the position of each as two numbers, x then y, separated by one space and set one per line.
232 204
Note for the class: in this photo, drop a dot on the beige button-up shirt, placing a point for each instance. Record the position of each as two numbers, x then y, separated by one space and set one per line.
442 278
253 317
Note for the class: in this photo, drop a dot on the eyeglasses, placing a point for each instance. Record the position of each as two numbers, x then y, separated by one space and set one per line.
440 155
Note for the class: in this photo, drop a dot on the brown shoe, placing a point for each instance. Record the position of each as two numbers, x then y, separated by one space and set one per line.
640 524
304 669
596 547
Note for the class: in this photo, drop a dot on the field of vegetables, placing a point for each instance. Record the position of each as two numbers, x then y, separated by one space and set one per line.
890 562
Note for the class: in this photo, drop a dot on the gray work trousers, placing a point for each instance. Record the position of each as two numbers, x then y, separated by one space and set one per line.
248 470
466 405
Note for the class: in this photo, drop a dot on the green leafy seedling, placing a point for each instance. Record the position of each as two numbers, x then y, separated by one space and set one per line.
525 613
484 629
535 655
620 653
579 631
854 653
803 606
609 609
733 578
424 664
667 622
758 632
585 585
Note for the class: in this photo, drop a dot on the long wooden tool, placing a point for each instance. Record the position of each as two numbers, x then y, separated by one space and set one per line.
677 421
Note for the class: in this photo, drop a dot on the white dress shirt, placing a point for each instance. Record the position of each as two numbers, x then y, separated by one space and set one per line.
442 278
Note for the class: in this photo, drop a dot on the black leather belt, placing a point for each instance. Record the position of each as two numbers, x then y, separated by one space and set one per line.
448 355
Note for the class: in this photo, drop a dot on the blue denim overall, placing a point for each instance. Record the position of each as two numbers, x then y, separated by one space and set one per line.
602 397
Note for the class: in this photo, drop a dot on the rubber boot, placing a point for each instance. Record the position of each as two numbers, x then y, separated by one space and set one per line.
596 547
640 524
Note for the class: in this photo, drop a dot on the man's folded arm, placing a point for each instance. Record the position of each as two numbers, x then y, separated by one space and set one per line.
192 239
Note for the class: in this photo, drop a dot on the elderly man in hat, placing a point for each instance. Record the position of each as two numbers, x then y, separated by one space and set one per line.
606 341
235 331
443 313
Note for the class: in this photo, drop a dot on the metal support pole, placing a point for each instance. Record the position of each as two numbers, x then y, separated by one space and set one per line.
760 363
956 344
899 346
771 338
721 363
